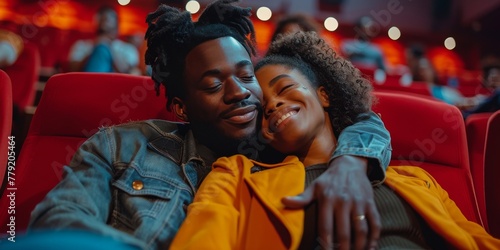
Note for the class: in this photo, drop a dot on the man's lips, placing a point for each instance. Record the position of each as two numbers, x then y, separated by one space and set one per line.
241 115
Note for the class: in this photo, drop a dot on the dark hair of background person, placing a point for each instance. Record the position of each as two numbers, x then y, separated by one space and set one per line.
487 71
417 51
420 66
305 22
171 34
103 10
364 28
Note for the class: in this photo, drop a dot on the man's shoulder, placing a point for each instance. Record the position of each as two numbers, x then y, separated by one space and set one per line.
83 43
119 42
161 126
121 46
80 49
147 128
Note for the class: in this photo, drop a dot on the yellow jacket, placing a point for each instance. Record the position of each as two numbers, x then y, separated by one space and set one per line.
234 209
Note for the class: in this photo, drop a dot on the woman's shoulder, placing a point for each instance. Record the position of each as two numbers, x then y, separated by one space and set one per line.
239 162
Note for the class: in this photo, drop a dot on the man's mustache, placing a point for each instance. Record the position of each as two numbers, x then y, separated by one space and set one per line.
246 103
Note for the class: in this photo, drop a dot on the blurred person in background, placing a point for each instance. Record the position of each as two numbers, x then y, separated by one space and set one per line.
105 53
11 46
361 51
422 70
294 23
137 40
491 76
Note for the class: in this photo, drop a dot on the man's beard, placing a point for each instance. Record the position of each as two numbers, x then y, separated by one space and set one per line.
224 145
220 144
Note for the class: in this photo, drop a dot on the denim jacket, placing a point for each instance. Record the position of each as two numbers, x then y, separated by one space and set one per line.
136 179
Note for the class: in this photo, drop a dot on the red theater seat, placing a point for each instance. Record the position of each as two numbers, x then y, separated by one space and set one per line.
492 174
476 138
24 75
72 107
5 122
431 134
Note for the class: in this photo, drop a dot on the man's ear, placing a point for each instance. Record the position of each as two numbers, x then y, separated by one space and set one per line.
180 109
324 99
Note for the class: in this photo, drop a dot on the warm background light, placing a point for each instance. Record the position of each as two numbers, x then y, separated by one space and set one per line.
193 7
331 24
394 33
264 13
123 2
450 43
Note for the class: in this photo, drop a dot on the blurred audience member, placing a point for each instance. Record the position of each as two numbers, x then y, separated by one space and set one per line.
137 40
422 70
413 55
294 23
491 75
105 53
361 51
11 46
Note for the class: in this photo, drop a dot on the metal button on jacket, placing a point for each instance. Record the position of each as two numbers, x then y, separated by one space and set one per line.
137 185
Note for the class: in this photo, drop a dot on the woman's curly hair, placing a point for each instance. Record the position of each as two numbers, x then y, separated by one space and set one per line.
350 94
171 34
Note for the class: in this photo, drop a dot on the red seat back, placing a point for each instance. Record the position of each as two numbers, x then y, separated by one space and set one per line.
418 88
72 107
24 75
476 139
5 122
492 174
431 134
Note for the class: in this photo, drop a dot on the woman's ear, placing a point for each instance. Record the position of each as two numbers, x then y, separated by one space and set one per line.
180 109
323 97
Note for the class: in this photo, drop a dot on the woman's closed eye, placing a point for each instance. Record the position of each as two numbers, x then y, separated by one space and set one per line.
286 87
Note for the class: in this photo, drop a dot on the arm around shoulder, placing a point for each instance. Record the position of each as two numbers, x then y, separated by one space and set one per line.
367 138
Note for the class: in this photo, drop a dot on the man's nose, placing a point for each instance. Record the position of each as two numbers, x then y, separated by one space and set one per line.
234 91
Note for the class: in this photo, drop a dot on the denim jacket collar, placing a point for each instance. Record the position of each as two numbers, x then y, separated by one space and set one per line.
180 146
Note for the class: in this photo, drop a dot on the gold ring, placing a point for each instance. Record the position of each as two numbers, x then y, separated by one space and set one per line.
360 217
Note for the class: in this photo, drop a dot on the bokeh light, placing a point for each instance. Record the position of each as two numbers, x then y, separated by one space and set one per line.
331 24
264 13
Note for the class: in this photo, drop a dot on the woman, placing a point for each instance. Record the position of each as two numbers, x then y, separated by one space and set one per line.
310 95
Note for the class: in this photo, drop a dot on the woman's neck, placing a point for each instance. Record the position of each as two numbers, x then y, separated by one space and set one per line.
321 148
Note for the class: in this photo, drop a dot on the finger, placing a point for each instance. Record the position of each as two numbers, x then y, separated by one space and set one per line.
301 200
343 223
373 220
325 224
360 227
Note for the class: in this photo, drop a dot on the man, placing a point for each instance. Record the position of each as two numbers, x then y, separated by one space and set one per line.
491 75
137 179
105 53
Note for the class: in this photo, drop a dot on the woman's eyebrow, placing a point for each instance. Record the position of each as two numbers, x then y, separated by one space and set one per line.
277 78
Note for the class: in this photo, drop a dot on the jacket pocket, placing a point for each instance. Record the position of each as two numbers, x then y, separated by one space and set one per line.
148 206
